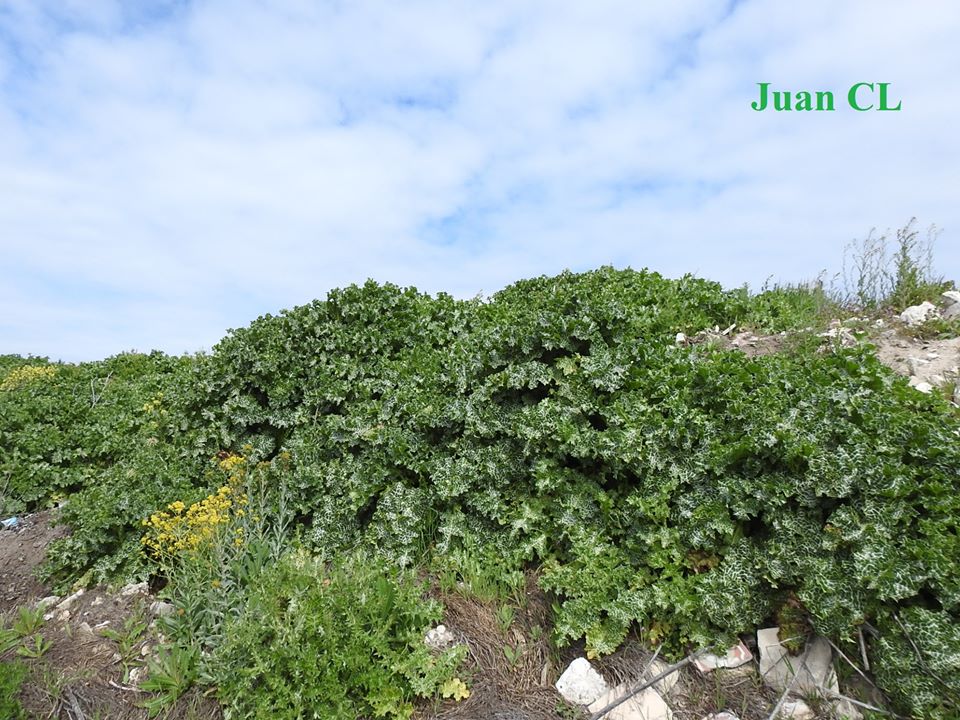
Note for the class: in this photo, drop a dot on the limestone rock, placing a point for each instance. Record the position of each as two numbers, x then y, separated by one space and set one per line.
725 715
161 609
951 304
50 600
668 683
646 705
736 656
580 683
70 599
795 710
918 314
134 589
813 668
439 638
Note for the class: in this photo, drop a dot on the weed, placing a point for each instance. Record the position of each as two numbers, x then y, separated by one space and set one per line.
35 649
171 673
29 620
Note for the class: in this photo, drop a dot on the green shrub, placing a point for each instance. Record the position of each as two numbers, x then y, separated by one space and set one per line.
339 641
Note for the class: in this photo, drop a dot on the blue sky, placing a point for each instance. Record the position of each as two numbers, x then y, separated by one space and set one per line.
171 171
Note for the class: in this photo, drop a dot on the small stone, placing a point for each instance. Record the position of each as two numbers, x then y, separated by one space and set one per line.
138 675
680 339
44 603
919 314
645 705
162 609
84 630
795 710
134 589
146 650
101 625
98 600
580 683
70 599
736 656
923 386
63 616
725 715
439 638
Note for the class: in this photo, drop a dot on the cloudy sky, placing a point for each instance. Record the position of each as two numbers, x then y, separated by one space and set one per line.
172 168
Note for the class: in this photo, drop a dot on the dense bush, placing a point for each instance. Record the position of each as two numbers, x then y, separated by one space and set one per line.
687 489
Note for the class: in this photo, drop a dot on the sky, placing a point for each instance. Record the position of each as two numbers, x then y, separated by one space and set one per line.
170 169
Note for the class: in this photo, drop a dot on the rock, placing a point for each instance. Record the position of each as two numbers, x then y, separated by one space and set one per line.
98 600
439 638
146 650
680 339
846 710
580 683
138 675
921 385
62 616
84 630
813 667
795 710
162 609
725 715
736 656
44 603
646 705
70 599
134 589
951 298
668 683
919 314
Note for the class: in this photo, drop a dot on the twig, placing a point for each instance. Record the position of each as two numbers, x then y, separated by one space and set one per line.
851 663
124 687
863 649
644 685
74 710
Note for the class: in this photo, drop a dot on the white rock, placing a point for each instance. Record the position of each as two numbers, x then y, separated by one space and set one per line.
735 657
439 638
85 630
668 683
44 603
813 667
680 339
922 386
138 675
725 715
134 589
918 314
646 705
580 683
98 600
70 599
62 615
950 298
795 710
162 609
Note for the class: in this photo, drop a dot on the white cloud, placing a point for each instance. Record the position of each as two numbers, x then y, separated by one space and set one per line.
168 174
